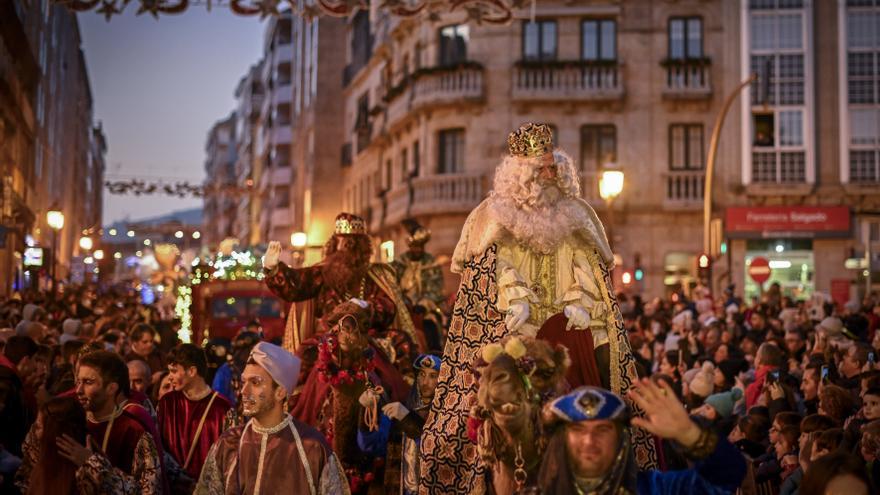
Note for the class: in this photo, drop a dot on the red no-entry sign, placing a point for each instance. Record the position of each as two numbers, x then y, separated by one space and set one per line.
759 270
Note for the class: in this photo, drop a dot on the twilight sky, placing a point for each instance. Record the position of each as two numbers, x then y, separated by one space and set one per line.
158 86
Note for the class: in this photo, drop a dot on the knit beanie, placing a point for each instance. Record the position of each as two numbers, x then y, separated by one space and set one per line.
703 382
724 402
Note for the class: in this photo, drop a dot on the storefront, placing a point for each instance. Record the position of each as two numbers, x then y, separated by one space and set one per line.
798 242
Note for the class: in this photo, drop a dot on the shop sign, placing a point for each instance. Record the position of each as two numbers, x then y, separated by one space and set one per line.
759 270
755 222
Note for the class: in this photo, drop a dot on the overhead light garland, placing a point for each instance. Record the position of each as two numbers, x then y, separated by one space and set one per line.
490 11
181 189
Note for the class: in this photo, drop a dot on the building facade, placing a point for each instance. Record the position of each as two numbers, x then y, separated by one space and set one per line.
275 134
635 86
629 86
248 168
221 200
807 195
52 153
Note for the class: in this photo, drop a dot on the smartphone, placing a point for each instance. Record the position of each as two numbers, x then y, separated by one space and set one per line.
871 358
773 377
824 374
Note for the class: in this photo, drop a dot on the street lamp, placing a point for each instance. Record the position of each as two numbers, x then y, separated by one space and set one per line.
86 243
99 254
55 219
299 241
610 187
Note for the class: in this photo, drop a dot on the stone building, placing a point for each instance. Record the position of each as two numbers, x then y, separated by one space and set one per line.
635 86
51 153
221 204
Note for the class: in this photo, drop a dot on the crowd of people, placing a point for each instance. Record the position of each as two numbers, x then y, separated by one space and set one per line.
97 396
535 378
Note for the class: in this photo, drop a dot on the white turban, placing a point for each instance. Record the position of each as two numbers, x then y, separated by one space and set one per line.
281 365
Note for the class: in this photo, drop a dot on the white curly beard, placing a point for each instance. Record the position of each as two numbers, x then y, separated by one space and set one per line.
541 223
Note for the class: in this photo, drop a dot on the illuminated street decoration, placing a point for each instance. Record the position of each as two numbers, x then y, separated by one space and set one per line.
489 11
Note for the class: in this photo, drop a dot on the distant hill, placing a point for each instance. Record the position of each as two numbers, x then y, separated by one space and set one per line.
192 216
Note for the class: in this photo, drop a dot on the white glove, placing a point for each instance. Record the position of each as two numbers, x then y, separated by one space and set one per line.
395 410
578 317
517 315
273 252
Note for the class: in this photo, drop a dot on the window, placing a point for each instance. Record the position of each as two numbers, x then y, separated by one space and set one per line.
539 40
777 53
389 175
362 122
404 165
599 39
686 147
416 158
451 151
453 44
361 39
598 146
685 38
863 89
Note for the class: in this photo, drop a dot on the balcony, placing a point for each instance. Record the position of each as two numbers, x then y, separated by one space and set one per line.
432 195
444 86
281 94
687 80
432 87
281 134
684 189
282 53
571 81
279 176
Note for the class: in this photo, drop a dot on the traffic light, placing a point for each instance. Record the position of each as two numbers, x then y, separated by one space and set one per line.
704 267
638 272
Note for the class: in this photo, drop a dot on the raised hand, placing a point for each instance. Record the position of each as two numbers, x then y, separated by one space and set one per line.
273 253
664 416
73 451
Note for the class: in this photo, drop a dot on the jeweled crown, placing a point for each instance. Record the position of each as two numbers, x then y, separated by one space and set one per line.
531 140
348 224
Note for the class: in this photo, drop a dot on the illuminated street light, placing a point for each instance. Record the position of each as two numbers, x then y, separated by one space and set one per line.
55 219
88 260
130 233
147 242
299 240
86 243
138 254
117 255
196 234
99 254
112 231
179 234
610 184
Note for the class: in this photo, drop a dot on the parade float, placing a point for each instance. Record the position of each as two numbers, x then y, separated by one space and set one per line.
224 295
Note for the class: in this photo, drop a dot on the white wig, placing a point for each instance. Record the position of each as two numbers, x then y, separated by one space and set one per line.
520 203
516 179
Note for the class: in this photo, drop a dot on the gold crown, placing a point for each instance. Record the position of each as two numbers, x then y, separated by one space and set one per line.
420 237
531 140
348 224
